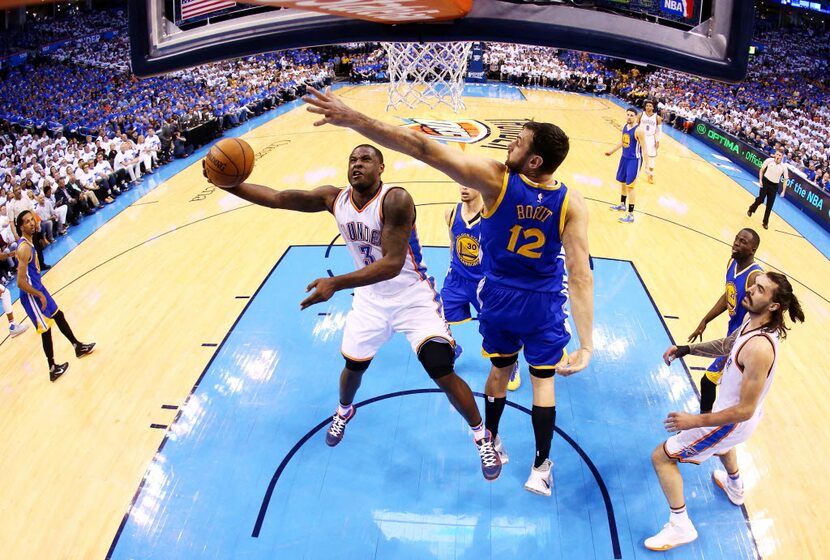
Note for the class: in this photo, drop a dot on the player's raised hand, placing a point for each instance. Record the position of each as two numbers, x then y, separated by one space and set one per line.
333 110
323 288
577 361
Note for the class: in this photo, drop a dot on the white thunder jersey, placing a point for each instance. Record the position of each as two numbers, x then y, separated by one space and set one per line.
649 124
729 393
361 230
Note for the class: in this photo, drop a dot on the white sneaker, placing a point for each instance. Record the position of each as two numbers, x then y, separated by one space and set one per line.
18 329
505 458
540 480
671 536
735 495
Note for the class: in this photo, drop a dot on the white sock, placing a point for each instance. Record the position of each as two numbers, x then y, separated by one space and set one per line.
478 432
344 411
679 516
735 481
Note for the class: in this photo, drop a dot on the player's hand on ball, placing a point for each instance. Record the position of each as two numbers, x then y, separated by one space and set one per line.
577 361
333 110
323 288
677 421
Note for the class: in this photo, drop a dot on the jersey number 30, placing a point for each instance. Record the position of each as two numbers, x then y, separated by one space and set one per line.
534 238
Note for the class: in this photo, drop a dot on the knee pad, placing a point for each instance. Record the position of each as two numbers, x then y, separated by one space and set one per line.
504 361
542 373
359 366
437 358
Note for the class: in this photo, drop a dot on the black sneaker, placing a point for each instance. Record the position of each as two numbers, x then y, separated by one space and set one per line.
57 370
82 349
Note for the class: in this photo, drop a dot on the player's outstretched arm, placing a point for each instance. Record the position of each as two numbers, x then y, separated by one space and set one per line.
616 147
398 218
580 281
482 174
320 199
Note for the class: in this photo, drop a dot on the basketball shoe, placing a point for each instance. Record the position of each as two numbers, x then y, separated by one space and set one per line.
82 349
57 370
540 480
499 447
627 219
618 207
515 380
672 535
337 429
18 329
490 460
735 492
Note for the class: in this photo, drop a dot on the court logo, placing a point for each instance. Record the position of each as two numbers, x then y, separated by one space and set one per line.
464 131
682 8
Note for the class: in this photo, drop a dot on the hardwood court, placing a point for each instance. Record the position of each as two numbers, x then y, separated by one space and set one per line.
165 280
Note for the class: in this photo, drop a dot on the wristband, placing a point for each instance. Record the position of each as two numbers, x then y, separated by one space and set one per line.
682 351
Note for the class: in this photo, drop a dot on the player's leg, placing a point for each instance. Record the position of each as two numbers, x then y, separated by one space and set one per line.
631 193
729 480
14 329
651 156
420 319
545 340
81 349
367 328
679 530
456 301
709 384
621 178
55 370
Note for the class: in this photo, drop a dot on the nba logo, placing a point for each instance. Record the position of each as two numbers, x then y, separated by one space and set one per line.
682 8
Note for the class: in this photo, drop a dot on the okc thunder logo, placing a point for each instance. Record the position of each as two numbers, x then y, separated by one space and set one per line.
682 8
462 131
466 247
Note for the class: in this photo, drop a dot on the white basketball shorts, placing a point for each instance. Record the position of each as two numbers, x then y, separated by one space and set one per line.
373 319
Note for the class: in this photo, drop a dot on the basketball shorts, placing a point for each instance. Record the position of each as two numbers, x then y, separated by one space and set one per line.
715 370
415 312
699 444
41 319
510 320
457 294
628 170
651 146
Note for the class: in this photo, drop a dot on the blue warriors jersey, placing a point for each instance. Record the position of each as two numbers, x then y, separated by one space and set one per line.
521 236
630 145
736 287
41 318
465 259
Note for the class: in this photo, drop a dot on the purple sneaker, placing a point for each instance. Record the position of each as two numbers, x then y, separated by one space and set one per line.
337 429
490 459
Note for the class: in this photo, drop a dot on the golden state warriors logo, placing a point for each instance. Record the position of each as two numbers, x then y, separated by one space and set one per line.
731 298
466 247
462 131
626 140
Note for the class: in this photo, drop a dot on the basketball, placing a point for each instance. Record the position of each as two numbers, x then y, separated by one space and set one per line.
229 162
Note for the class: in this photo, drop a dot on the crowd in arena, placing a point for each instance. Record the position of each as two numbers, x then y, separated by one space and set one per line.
784 103
77 128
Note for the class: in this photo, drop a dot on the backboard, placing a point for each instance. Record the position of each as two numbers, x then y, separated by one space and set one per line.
707 38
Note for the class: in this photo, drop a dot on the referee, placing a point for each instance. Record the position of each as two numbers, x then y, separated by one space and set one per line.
769 177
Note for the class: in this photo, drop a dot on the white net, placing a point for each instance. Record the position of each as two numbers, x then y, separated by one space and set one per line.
427 73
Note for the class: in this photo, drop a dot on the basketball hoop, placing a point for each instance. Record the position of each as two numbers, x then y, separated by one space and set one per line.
427 73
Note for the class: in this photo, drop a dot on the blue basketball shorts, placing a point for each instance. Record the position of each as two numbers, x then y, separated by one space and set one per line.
628 170
457 294
510 320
